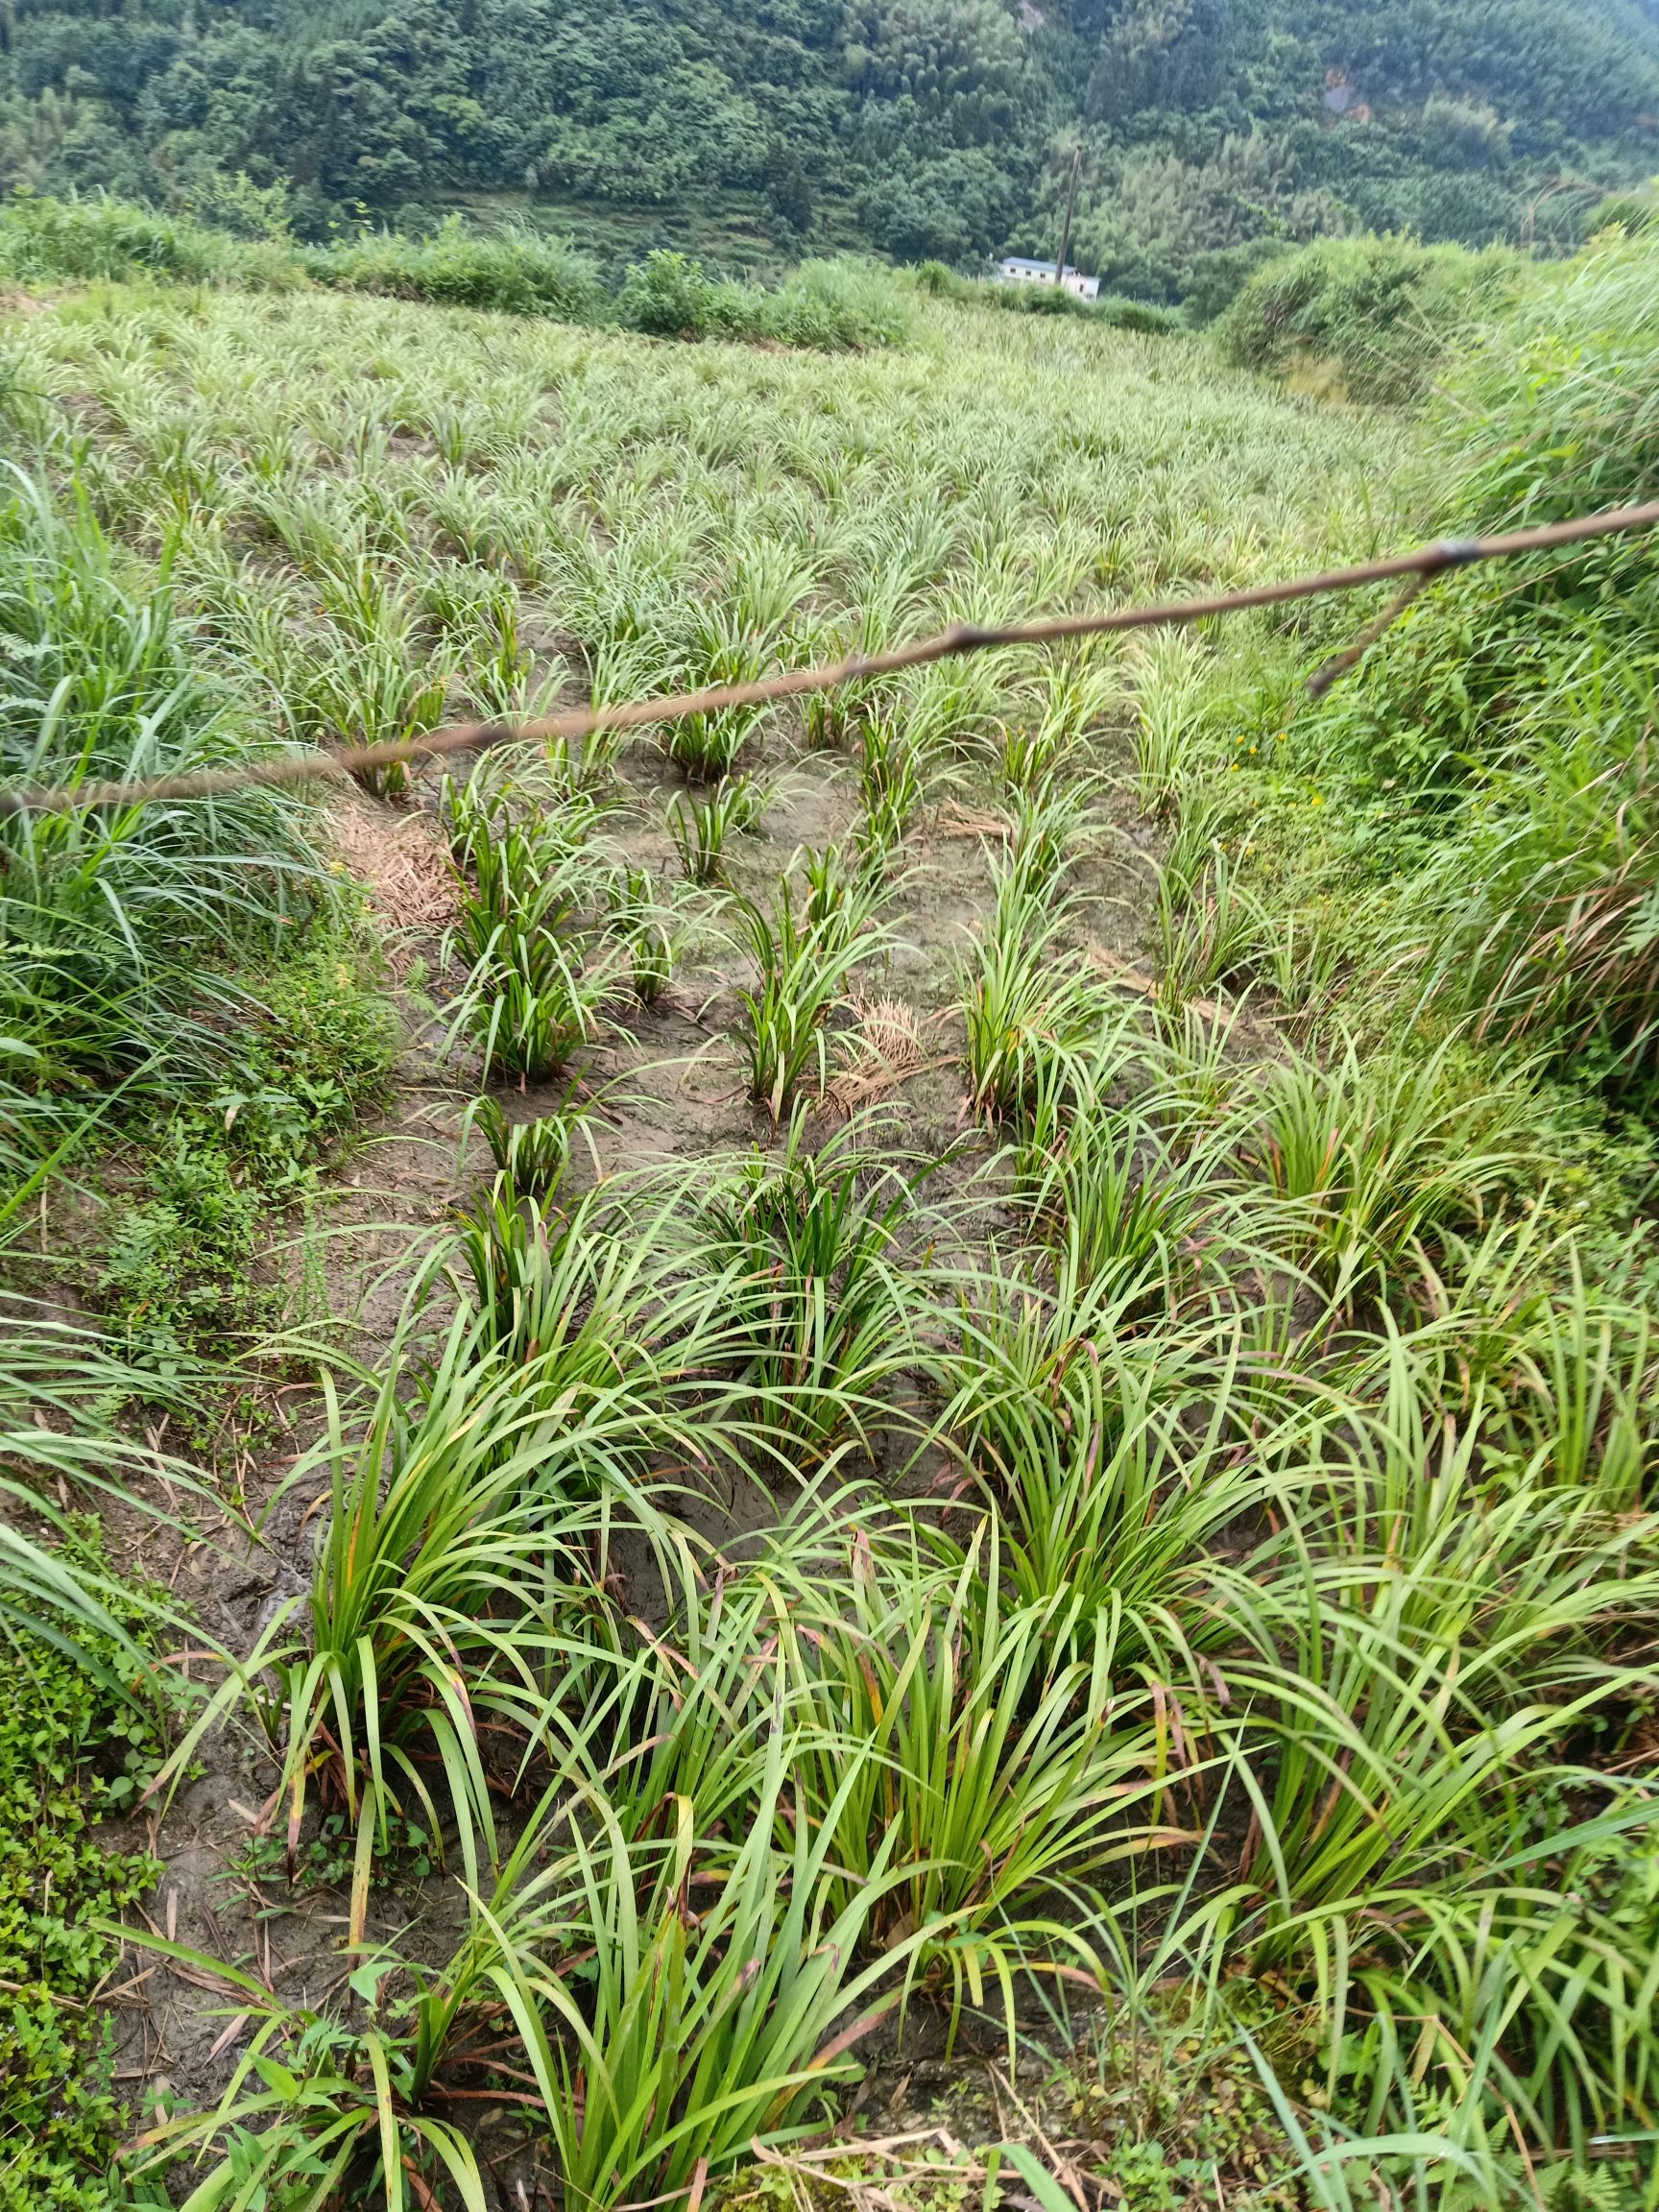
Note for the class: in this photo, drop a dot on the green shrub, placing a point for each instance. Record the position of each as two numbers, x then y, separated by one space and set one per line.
1493 753
1143 315
944 284
831 305
668 296
102 237
1631 212
1115 311
1384 313
844 303
1216 278
319 1050
1555 411
515 270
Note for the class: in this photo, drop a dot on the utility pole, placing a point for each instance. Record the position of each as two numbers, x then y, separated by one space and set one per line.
1071 204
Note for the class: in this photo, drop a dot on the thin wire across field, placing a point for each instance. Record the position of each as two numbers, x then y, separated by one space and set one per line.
962 637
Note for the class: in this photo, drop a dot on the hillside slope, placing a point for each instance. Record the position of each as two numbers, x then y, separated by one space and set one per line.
915 127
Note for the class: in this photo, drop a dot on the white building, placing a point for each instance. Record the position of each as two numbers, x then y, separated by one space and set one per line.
1017 269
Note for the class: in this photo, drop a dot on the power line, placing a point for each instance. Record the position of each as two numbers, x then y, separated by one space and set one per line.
964 638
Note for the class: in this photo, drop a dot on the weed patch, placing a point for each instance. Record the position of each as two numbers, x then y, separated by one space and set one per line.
70 1754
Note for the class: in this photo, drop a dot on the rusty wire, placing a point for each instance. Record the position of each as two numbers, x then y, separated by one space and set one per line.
1421 568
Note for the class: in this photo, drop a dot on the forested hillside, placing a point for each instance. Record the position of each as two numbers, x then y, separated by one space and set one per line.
752 128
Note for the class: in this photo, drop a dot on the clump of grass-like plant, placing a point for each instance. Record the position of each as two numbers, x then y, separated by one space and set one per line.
700 826
654 934
823 1304
532 1156
990 1776
890 784
1025 994
122 930
437 1511
688 2035
532 1005
1373 1162
803 971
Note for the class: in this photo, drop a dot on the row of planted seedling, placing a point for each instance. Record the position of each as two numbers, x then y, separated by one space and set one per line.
1196 1578
1204 1568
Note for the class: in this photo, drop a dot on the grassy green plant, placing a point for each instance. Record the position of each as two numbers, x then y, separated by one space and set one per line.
1111 1462
532 1004
437 1509
1374 1160
988 1775
515 270
1024 993
532 1156
608 1321
1047 821
844 893
1543 931
1383 313
1171 701
116 924
831 305
695 2033
527 877
890 783
102 236
1122 1203
721 650
803 969
700 826
822 1305
655 933
1207 930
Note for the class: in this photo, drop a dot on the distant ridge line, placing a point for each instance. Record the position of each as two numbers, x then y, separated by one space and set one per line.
1419 568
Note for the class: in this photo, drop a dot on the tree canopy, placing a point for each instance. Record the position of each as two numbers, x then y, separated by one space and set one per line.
1215 130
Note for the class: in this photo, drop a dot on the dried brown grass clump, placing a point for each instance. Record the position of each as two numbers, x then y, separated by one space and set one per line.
954 820
401 861
885 1049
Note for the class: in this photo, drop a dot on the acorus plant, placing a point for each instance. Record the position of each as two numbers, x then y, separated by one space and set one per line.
1153 1526
703 2031
803 969
371 1688
826 1303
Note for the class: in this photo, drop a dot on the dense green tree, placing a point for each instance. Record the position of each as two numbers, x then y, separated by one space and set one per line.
952 71
788 194
1158 54
1216 130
